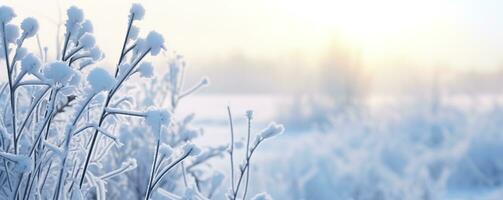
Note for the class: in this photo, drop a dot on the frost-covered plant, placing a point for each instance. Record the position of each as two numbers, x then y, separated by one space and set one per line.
69 130
270 131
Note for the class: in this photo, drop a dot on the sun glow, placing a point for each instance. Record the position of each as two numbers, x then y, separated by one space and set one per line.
383 27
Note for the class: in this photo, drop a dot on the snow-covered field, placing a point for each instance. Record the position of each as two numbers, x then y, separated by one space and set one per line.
397 149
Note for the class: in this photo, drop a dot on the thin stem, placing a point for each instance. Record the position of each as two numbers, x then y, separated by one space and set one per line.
73 52
247 155
11 87
123 112
48 117
231 151
40 47
151 179
166 170
30 83
115 172
67 39
124 44
73 59
185 182
191 90
246 167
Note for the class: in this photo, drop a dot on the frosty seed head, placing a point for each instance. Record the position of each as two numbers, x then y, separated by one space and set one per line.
272 130
11 33
166 150
75 14
6 14
29 27
155 118
87 27
146 70
133 32
205 81
249 114
100 80
189 147
131 162
75 17
137 11
96 53
155 42
58 72
87 41
30 64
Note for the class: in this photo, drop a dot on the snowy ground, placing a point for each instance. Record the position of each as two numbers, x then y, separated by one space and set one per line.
393 151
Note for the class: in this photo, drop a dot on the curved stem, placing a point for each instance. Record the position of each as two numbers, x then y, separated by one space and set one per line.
156 155
73 59
247 155
67 40
124 45
243 170
231 151
11 87
73 52
166 170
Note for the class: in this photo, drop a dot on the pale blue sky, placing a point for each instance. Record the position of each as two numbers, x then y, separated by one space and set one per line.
463 34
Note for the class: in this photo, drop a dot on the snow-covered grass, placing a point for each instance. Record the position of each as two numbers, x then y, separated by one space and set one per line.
72 130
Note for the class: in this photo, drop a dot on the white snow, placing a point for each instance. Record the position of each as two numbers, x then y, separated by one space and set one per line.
134 32
75 14
58 72
29 27
30 64
146 69
96 53
155 118
272 130
194 150
75 17
155 42
87 41
6 14
100 80
138 11
165 150
11 33
87 27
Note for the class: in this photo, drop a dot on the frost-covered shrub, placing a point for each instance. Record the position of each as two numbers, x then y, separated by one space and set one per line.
403 151
70 130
